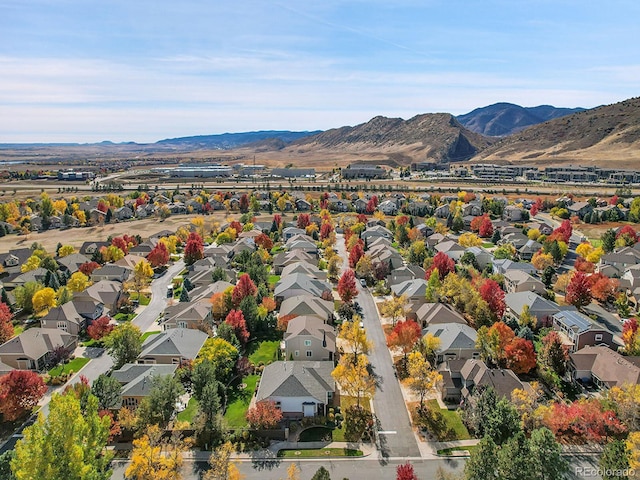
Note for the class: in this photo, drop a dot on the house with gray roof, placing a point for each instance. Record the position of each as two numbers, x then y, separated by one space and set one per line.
309 338
283 259
74 316
299 284
305 305
111 271
457 341
71 263
172 346
483 256
404 273
299 389
306 268
578 331
415 290
107 292
137 381
376 231
32 349
521 281
451 248
527 251
195 315
503 265
539 307
437 313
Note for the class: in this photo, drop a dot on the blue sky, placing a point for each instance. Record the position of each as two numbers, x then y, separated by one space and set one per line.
139 70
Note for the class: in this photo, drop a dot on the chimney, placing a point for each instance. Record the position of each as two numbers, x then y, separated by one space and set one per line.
324 338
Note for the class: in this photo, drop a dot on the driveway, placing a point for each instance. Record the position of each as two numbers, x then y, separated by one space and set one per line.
396 434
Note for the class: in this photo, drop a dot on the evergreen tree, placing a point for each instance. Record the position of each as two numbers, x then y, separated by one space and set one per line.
184 295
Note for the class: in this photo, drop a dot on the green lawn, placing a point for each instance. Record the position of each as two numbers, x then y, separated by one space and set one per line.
264 352
445 424
487 245
144 299
187 414
320 452
273 279
315 434
124 317
18 329
148 334
238 401
76 364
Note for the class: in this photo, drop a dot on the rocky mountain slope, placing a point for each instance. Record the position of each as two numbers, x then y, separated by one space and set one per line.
501 119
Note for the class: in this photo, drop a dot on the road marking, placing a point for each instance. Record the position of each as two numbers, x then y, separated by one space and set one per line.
387 432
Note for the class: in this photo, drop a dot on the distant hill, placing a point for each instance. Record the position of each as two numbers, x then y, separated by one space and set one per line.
502 119
226 141
435 137
599 136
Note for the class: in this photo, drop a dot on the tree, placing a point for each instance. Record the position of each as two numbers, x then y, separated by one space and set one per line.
520 355
235 319
491 293
32 263
152 458
546 455
158 407
221 354
221 467
347 286
364 268
142 273
88 267
354 378
321 474
404 336
457 225
159 256
124 344
625 400
443 263
493 341
355 339
554 354
395 308
355 254
6 325
243 288
107 391
68 443
608 239
631 337
633 447
604 288
614 460
44 299
547 276
265 415
65 250
579 290
486 227
422 378
483 463
469 240
194 249
20 391
293 472
78 282
100 328
542 261
333 268
405 472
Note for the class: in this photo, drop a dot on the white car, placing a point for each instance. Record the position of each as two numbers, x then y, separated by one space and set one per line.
363 282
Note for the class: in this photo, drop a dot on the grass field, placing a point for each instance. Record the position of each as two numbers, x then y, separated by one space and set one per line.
449 451
320 452
188 413
74 365
445 425
264 352
238 401
148 334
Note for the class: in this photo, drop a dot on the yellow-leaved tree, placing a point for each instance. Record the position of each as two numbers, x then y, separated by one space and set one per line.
468 239
354 339
78 282
155 459
142 273
32 263
354 378
395 308
44 299
422 378
221 467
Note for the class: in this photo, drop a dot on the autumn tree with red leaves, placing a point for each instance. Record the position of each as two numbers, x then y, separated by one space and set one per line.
88 267
100 328
304 220
159 255
356 253
554 354
277 219
562 233
631 337
347 288
325 230
244 203
486 227
20 391
443 263
372 204
578 291
235 319
6 325
491 293
244 288
194 250
628 235
405 472
264 415
520 355
284 320
584 420
582 265
120 243
603 288
264 241
404 336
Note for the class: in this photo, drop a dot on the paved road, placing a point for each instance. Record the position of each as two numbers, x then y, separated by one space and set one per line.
388 402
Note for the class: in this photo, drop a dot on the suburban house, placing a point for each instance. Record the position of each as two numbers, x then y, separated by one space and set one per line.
511 213
376 231
457 341
604 367
437 313
539 307
32 349
404 273
578 331
483 256
302 243
194 315
521 281
452 249
299 284
306 268
503 265
283 259
299 389
71 263
137 381
309 338
388 207
111 271
172 346
107 292
74 316
383 254
306 305
415 290
527 251
461 378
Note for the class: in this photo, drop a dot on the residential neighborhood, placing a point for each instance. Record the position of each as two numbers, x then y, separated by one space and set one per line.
338 319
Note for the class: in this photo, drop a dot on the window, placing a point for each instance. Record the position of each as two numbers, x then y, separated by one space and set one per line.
62 326
182 324
309 353
307 343
598 337
175 361
297 353
130 402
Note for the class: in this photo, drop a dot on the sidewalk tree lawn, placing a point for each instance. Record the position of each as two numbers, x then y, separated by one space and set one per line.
347 288
395 308
69 443
153 458
422 377
142 273
354 378
355 339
